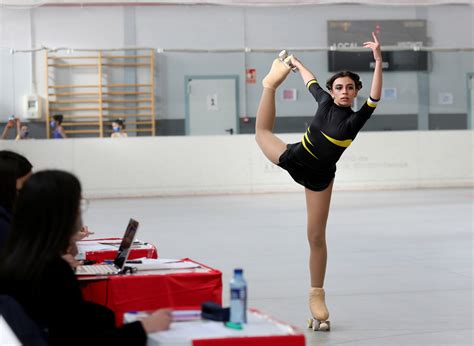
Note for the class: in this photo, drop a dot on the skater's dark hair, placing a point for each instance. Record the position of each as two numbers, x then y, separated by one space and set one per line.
354 76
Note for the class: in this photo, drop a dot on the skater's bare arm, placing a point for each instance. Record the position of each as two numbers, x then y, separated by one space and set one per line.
376 88
306 74
6 129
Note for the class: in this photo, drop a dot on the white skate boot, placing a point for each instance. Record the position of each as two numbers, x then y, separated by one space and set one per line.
286 59
278 72
319 311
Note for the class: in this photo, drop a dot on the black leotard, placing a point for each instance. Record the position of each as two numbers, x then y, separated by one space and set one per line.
312 162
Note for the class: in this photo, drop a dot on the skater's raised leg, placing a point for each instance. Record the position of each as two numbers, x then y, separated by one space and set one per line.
271 146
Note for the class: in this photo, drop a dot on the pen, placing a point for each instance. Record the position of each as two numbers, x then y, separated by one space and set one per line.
185 315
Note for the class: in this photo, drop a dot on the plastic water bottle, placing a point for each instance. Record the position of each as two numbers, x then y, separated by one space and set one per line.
238 298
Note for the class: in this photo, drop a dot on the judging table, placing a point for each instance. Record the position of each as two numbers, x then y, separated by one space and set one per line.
261 330
154 289
103 249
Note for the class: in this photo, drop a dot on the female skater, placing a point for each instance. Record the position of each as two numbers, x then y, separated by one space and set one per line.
312 162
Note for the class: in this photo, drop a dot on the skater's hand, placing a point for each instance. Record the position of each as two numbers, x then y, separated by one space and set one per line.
295 62
375 46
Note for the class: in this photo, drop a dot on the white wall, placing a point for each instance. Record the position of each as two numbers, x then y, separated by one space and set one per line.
207 165
210 27
16 77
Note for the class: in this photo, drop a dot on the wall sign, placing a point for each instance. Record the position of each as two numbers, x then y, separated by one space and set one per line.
410 34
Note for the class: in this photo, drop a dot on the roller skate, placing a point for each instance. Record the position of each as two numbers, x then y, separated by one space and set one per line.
319 311
286 59
278 72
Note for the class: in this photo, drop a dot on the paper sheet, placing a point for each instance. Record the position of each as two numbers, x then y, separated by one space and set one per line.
87 246
161 264
117 242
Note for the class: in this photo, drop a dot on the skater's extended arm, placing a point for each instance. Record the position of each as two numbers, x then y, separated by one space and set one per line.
376 88
306 74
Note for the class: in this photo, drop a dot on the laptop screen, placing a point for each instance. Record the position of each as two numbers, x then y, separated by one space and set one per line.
126 243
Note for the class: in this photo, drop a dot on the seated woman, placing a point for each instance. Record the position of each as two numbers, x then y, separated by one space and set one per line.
44 227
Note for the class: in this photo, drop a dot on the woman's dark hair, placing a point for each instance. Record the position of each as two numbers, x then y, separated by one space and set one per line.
120 123
58 118
44 220
354 76
12 167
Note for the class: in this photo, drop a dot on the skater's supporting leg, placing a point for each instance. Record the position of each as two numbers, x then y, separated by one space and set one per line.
317 205
271 145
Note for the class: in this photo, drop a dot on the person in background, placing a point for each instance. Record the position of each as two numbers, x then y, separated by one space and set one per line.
45 226
22 130
56 125
14 170
118 129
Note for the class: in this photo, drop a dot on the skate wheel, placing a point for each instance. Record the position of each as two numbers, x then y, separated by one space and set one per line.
283 55
319 326
315 325
325 326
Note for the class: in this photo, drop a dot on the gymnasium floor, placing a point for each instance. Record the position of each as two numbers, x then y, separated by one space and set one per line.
400 269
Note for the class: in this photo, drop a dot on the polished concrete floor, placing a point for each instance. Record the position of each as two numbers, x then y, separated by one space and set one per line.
400 269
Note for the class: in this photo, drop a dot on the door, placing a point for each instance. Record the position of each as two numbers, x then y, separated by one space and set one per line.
211 105
470 100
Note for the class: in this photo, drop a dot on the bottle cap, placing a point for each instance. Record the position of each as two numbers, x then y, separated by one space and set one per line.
238 271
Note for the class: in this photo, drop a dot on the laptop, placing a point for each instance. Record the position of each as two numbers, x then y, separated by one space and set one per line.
120 259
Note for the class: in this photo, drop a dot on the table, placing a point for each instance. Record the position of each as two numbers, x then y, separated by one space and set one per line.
88 251
151 290
261 330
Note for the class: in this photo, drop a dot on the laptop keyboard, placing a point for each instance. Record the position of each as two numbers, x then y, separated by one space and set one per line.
96 269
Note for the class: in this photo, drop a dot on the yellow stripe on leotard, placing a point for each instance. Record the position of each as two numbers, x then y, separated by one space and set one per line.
306 139
371 103
307 149
345 143
311 82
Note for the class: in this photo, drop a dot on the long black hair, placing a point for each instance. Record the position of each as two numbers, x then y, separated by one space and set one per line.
45 218
12 167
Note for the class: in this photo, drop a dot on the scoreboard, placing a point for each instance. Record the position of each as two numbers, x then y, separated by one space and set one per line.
404 34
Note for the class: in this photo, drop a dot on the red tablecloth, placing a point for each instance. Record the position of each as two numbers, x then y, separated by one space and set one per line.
287 340
137 251
138 292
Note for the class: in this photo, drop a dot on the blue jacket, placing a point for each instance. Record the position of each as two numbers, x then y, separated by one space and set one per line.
5 222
